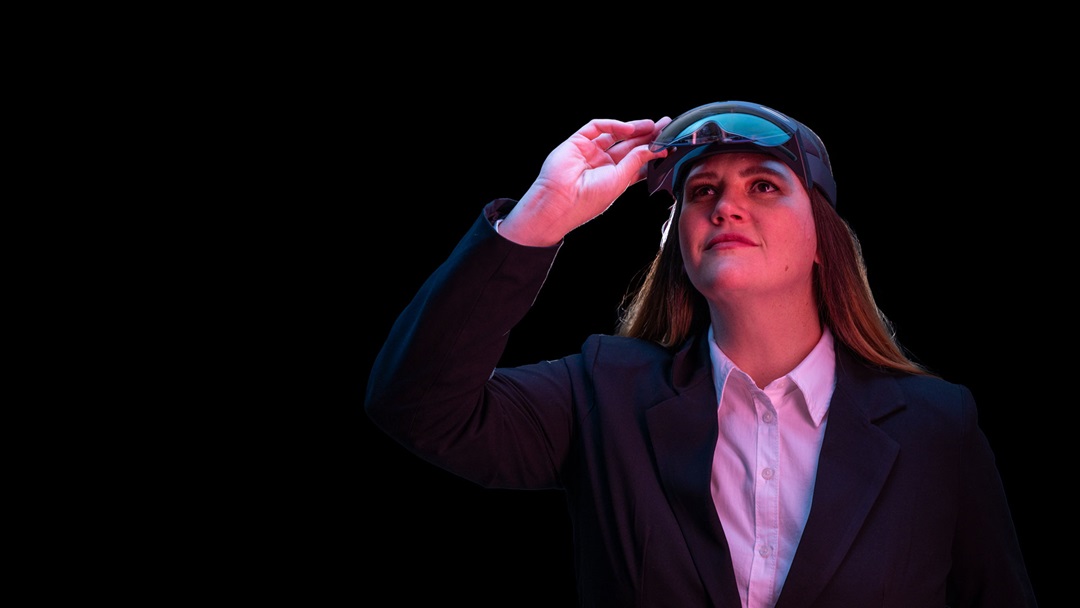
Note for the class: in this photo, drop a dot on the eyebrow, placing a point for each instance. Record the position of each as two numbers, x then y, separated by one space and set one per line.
757 169
750 171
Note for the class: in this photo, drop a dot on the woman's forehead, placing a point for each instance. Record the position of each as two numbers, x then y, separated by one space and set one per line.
740 161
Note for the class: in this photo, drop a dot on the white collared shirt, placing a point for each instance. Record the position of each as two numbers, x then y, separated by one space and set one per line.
765 464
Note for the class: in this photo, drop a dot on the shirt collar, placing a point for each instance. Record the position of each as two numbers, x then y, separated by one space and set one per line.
815 376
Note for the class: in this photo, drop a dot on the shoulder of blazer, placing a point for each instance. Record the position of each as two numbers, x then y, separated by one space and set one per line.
683 368
878 392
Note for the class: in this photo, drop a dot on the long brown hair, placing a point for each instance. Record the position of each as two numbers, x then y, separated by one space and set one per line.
667 309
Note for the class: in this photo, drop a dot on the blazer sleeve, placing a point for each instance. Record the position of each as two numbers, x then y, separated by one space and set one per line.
988 567
434 386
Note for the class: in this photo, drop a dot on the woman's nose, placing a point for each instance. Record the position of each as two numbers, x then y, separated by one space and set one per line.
727 208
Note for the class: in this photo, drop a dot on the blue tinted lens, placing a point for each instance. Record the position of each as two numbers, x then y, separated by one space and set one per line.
726 128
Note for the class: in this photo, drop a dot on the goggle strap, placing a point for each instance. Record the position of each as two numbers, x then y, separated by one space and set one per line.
818 173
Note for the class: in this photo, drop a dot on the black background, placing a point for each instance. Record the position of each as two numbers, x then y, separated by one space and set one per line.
944 211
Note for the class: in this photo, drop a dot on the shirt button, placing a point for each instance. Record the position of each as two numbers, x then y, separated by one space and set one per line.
768 417
767 473
763 551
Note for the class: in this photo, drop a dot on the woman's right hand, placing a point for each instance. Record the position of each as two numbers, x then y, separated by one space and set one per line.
581 178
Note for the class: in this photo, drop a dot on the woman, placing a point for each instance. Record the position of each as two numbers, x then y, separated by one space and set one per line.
754 436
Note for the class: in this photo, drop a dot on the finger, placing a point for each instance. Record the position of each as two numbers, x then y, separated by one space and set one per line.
627 146
615 129
605 141
636 162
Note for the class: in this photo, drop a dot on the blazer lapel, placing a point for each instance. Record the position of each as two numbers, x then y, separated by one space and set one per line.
683 431
855 461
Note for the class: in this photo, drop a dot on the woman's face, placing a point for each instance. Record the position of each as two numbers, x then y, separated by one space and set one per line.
746 229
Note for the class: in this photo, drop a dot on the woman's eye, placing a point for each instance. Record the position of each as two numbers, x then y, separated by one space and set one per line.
702 191
762 187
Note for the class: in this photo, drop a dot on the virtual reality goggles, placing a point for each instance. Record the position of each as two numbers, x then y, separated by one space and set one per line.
739 126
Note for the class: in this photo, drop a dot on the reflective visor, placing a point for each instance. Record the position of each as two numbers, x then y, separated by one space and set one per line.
738 126
728 129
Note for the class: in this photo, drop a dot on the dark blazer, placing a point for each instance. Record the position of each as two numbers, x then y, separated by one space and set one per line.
908 509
